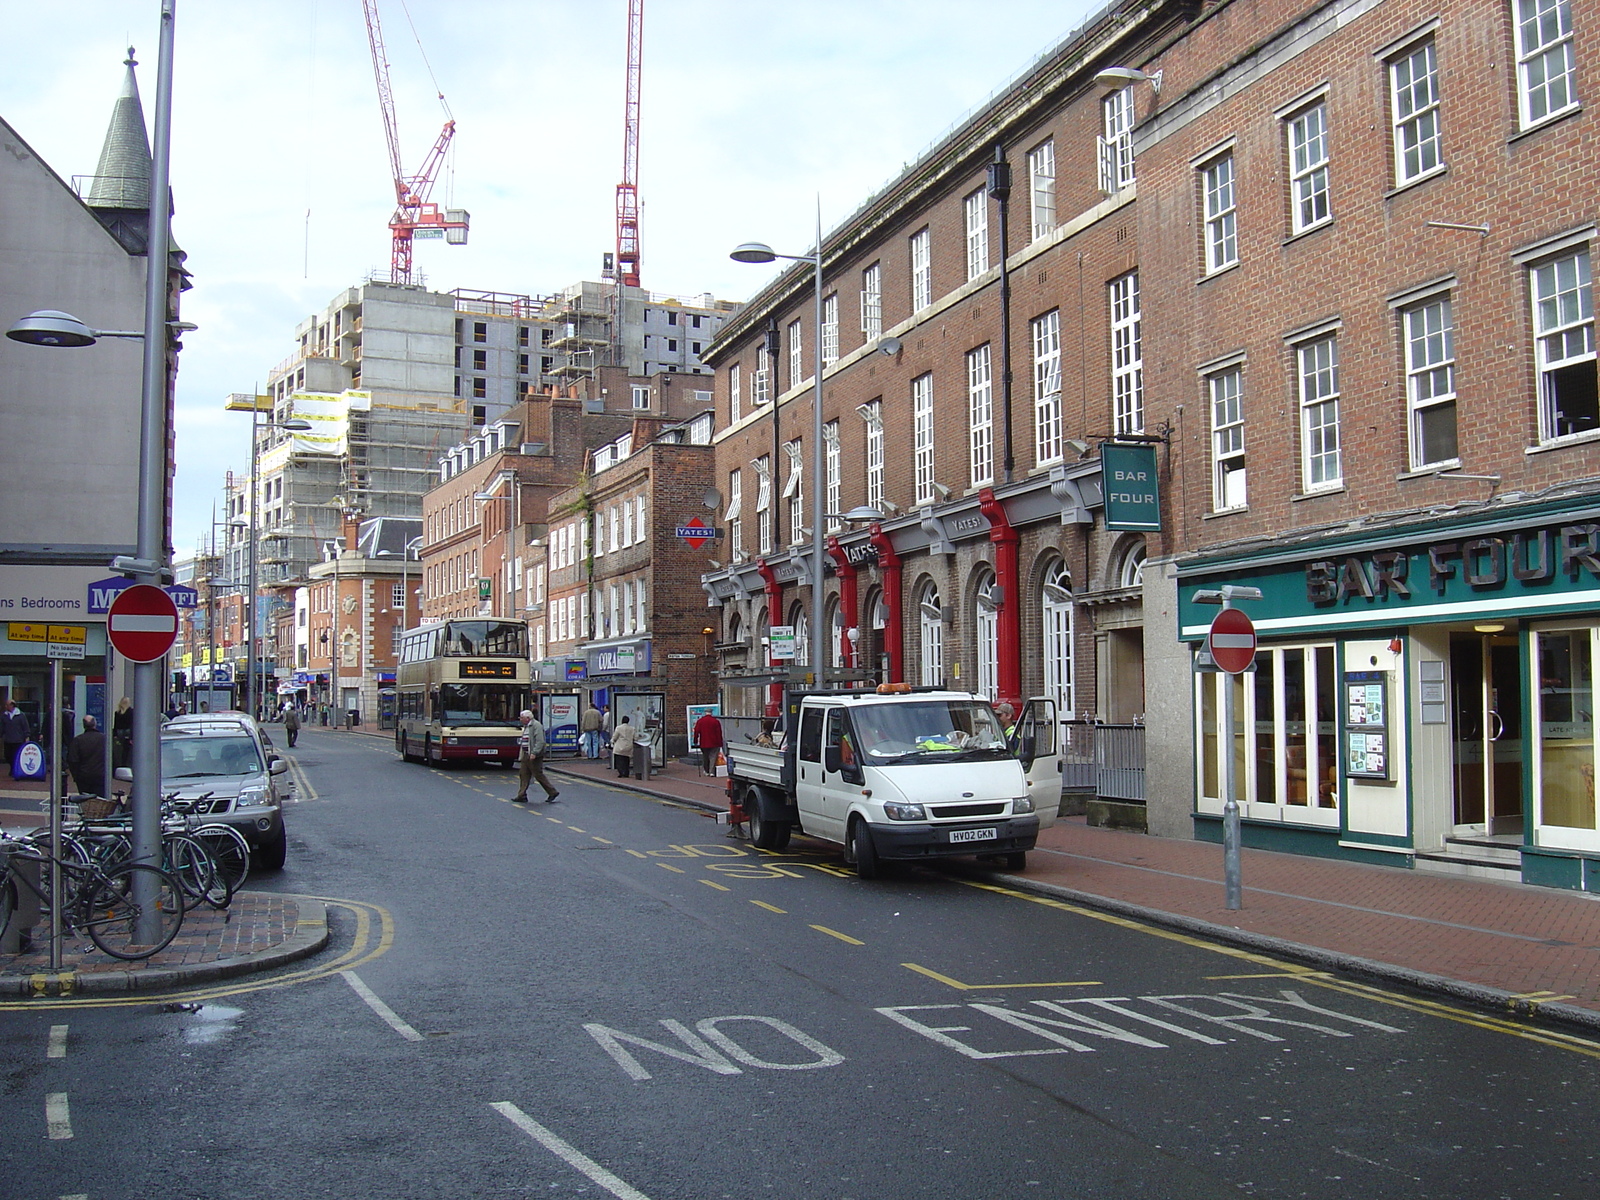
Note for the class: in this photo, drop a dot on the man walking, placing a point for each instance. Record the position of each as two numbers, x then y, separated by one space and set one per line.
591 730
291 723
86 759
708 736
14 730
530 759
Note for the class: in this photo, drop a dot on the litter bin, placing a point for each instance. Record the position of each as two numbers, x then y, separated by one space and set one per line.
643 757
355 717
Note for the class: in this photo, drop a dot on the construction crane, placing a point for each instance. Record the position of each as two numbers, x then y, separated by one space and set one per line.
628 189
414 216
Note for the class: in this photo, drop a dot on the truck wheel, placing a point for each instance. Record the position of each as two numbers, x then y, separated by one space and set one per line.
1015 862
858 849
765 834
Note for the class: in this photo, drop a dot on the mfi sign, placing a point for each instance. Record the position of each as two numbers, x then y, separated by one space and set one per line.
1128 479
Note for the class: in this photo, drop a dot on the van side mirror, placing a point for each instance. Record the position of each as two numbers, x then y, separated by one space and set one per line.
1025 751
122 774
831 760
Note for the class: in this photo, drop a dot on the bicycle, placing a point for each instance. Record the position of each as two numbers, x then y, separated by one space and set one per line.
102 903
204 859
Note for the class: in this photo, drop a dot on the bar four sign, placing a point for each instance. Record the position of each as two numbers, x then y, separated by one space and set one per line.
1128 477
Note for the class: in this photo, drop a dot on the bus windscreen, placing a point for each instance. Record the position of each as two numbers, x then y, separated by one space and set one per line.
480 703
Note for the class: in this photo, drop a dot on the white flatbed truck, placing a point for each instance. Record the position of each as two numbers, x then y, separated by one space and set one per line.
901 774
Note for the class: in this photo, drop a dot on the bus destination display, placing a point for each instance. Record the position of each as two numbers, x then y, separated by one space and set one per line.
488 670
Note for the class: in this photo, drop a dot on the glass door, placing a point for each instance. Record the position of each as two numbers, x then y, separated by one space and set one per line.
1488 733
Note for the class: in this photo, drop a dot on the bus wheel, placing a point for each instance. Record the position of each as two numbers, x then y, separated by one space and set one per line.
405 753
427 749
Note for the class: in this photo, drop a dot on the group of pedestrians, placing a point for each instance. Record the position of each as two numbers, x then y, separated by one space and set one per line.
84 756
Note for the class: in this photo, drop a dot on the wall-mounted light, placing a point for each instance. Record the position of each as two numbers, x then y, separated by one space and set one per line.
1121 77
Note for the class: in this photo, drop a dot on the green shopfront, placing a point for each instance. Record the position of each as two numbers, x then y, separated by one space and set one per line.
1423 696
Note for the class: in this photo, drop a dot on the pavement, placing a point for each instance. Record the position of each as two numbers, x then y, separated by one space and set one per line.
1519 949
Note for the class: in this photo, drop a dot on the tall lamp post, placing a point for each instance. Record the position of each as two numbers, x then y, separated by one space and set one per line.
290 424
756 252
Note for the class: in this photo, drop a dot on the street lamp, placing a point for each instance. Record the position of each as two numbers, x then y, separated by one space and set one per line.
150 562
756 252
289 425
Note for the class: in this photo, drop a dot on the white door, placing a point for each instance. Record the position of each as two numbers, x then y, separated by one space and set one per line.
1040 753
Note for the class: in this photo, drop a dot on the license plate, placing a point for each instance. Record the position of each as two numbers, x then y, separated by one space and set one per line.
487 750
974 835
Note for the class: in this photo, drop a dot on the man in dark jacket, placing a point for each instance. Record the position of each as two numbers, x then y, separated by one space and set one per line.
14 731
86 759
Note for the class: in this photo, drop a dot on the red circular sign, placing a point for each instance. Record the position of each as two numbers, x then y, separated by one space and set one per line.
142 623
1232 641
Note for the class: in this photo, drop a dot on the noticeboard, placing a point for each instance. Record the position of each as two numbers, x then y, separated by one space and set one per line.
1366 725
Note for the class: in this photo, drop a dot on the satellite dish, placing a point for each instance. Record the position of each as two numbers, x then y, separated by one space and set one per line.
712 499
890 346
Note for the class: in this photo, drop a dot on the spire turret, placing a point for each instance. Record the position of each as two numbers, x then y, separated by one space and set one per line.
122 180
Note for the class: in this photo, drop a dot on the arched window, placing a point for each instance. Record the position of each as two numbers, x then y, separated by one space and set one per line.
1132 574
930 623
802 637
835 634
987 624
1057 610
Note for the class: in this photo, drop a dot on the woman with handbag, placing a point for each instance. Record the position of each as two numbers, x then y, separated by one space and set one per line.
622 740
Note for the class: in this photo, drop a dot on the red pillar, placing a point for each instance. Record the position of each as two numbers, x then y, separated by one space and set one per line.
890 562
1008 614
846 571
774 617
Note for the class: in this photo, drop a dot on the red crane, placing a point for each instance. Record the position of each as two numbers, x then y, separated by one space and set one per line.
628 189
413 211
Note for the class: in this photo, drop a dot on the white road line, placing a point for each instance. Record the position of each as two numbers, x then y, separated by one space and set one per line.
567 1152
56 1117
58 1042
378 1006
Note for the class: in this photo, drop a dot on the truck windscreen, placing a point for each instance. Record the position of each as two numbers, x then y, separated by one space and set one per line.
929 730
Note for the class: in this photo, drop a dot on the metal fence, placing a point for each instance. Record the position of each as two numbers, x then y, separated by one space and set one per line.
1104 760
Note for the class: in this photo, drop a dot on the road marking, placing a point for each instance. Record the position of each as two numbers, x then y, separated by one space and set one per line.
670 867
991 987
1318 977
390 1017
56 1117
638 853
557 820
710 1047
601 840
843 937
769 907
567 1152
58 1042
718 886
575 829
1260 975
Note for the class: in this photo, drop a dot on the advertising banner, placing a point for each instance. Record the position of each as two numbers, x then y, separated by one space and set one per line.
560 720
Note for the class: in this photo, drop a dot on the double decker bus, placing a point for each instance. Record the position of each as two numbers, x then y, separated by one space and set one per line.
459 688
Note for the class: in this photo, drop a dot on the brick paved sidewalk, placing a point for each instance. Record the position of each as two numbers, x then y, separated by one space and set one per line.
1503 944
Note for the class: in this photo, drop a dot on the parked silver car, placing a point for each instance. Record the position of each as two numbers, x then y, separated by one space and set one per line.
232 760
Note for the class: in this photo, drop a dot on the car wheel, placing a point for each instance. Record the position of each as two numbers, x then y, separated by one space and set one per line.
271 851
858 849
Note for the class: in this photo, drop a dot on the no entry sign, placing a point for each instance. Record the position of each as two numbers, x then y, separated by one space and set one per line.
142 623
1232 641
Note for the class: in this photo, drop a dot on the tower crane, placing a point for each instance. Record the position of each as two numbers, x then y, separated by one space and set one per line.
414 215
628 189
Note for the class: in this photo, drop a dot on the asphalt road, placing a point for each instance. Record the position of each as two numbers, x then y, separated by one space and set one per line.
609 997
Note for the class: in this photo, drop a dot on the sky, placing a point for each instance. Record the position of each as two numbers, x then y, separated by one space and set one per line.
753 112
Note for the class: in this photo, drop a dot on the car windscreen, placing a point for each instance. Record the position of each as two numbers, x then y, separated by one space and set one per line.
197 757
929 731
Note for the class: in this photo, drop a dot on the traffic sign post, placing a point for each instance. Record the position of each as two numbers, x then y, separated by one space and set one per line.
1232 643
142 623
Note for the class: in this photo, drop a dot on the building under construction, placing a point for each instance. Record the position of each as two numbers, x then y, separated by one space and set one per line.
390 376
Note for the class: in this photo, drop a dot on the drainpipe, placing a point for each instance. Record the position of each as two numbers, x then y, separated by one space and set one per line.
1008 613
890 562
774 602
846 570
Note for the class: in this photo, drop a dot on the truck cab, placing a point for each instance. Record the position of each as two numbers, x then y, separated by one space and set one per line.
899 774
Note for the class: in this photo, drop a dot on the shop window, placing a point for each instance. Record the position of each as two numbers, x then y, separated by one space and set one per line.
1564 762
1285 737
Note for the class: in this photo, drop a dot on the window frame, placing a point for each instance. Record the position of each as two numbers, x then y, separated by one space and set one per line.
1439 344
1528 57
872 301
922 437
921 250
1579 321
793 343
1127 354
871 414
975 213
1308 177
980 415
1220 212
1044 336
830 329
1042 188
1229 471
1310 403
1115 144
1413 115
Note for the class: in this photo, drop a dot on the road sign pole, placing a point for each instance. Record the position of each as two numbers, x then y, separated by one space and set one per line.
1230 801
1232 643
